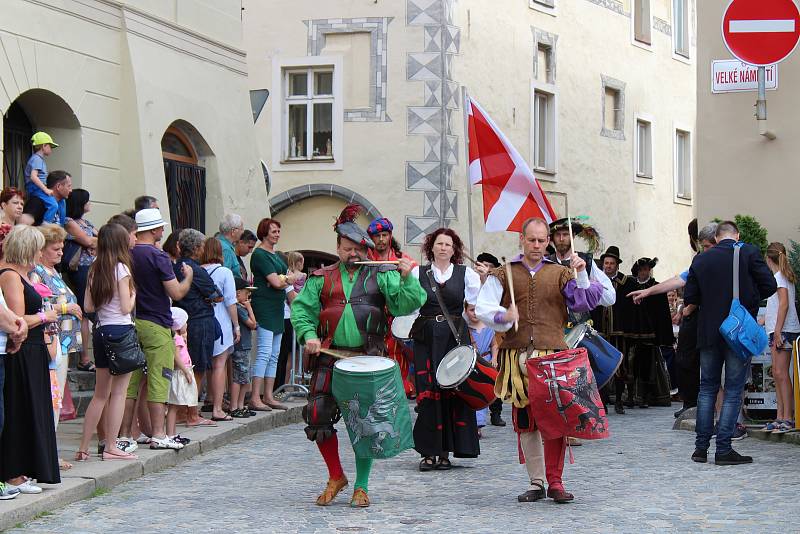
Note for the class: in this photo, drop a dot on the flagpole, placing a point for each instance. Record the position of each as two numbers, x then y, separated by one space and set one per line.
466 167
572 246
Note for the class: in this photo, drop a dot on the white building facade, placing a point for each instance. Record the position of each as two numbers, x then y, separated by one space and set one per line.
365 104
143 96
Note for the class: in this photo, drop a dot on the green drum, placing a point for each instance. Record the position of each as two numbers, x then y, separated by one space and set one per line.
370 394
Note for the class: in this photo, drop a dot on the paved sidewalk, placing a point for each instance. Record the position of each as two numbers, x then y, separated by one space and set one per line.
640 480
94 476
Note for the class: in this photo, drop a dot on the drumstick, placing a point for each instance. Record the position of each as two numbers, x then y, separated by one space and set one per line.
511 289
469 258
335 353
377 262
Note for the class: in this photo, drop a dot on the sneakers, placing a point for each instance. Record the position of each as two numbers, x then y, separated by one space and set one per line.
8 492
27 487
165 443
143 439
732 458
739 433
180 439
127 445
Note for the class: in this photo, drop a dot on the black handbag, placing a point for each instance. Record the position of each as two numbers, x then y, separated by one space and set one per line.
125 353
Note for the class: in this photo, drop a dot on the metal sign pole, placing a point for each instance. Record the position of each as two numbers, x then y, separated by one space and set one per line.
761 105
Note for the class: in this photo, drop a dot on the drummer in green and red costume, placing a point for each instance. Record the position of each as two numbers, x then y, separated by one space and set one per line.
386 249
355 322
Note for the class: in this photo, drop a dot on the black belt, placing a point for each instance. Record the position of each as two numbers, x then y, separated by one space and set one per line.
438 318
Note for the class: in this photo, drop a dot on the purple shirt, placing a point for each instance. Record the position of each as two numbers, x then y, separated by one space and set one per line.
577 299
151 268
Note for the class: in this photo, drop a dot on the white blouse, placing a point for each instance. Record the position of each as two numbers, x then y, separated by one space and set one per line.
472 281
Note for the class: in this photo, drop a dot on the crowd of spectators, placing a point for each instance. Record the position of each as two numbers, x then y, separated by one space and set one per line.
69 288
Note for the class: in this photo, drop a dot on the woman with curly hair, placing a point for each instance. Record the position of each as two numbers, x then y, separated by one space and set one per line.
445 424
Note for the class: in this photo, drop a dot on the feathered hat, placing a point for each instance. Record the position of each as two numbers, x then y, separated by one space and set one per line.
580 228
346 227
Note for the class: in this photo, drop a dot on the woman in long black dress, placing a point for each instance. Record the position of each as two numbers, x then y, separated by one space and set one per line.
444 423
28 446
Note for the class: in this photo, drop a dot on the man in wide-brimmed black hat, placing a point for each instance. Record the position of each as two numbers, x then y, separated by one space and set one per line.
650 328
611 321
560 240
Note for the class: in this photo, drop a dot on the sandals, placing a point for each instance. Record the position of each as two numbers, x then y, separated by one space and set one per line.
443 464
427 464
89 366
81 456
201 422
226 418
64 465
117 456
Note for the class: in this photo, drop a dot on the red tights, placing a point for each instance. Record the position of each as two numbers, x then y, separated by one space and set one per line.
329 449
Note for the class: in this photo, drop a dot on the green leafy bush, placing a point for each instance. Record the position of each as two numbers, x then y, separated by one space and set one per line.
750 231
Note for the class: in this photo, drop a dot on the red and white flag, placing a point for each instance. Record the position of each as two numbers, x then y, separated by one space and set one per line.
511 192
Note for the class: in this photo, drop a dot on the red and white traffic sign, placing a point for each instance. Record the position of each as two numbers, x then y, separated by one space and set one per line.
761 32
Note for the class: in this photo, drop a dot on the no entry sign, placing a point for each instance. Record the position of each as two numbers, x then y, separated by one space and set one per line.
761 32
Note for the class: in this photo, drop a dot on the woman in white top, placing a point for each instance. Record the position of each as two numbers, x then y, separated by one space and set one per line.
445 423
110 293
227 317
783 328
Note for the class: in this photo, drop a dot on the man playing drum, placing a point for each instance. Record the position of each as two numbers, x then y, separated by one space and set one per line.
544 291
380 230
342 308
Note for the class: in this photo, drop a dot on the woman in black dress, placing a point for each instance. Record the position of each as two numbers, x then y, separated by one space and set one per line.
28 446
444 423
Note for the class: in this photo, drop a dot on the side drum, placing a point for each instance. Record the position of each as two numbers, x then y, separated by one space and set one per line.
469 375
370 395
603 356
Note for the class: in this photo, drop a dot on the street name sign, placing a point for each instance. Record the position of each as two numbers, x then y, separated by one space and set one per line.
733 76
761 32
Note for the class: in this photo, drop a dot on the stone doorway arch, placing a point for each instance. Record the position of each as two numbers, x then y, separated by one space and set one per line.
40 110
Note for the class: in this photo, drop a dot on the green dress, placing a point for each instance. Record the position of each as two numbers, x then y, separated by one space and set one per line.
267 301
403 296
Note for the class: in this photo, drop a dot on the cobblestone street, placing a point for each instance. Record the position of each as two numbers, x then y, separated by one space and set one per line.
639 480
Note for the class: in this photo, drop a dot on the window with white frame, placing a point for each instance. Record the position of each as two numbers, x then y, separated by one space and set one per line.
544 131
308 113
680 27
683 165
641 21
644 149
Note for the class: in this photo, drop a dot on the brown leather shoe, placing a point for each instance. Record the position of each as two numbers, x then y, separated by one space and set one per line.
560 495
360 499
331 491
